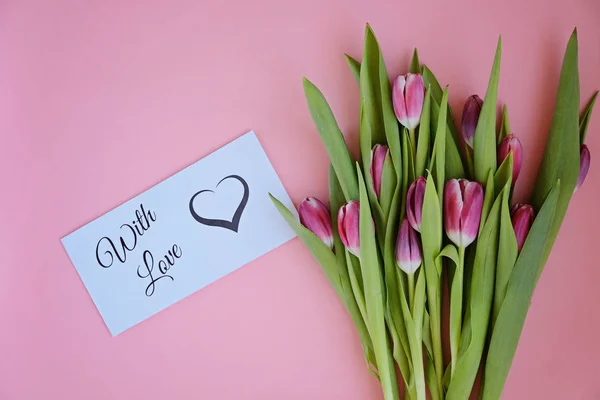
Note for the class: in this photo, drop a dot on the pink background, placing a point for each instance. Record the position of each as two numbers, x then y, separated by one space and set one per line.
100 100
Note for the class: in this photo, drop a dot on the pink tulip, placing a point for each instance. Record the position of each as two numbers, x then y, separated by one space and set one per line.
463 201
408 250
414 203
470 117
584 165
508 144
522 216
348 226
408 93
378 155
314 215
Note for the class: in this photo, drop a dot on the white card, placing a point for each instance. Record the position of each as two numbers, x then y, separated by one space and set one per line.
184 233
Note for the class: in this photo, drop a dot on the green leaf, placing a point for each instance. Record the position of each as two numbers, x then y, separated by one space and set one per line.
480 304
507 257
394 291
488 199
585 118
561 155
354 67
388 186
511 318
484 142
332 139
317 248
454 162
504 125
504 173
424 135
431 239
336 200
438 159
415 65
375 294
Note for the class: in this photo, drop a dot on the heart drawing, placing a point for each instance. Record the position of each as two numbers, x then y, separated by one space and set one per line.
234 223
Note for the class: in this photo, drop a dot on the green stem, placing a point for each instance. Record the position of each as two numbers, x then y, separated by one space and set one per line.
413 142
456 300
434 301
411 291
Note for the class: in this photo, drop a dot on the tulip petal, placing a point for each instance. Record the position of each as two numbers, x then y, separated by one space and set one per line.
398 100
351 226
584 165
471 212
414 95
470 117
314 215
378 155
453 205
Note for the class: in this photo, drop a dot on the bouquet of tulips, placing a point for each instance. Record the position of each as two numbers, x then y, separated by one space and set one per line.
426 206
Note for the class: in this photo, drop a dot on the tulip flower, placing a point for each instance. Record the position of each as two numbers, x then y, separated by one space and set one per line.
408 93
508 144
408 250
470 117
414 203
584 165
463 201
314 215
348 226
522 216
378 155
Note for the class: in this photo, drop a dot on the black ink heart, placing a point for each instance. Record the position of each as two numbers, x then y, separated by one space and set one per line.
235 221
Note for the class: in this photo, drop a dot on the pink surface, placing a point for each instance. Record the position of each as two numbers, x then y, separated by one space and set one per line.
100 100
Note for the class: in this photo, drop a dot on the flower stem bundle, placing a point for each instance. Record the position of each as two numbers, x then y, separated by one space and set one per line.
426 207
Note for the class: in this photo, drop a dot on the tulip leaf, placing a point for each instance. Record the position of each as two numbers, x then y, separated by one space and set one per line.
395 289
392 132
375 294
484 142
438 158
504 125
351 300
488 199
317 248
511 317
424 135
355 285
415 65
354 67
431 240
504 173
507 257
585 118
561 155
388 186
480 303
332 139
370 93
454 161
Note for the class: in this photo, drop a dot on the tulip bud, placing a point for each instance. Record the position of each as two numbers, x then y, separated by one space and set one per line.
348 226
378 155
408 250
522 216
470 117
314 215
414 203
463 201
584 165
508 144
408 93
